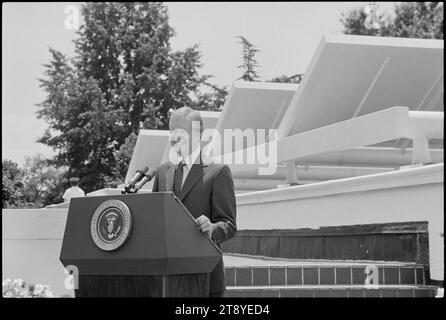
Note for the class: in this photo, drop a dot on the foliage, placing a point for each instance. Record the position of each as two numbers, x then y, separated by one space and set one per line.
43 182
124 77
411 20
37 184
20 289
249 63
213 100
12 195
297 78
249 66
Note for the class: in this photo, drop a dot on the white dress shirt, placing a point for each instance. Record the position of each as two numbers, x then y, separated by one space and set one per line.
73 192
188 162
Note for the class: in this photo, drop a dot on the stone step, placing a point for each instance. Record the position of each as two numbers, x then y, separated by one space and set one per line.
322 291
262 271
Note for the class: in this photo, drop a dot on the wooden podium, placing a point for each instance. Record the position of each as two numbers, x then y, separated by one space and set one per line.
163 253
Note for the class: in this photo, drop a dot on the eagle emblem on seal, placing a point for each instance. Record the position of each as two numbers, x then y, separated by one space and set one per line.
111 225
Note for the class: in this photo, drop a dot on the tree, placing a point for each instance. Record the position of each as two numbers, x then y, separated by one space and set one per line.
123 77
41 179
249 63
411 20
297 78
249 66
213 100
35 185
55 195
12 196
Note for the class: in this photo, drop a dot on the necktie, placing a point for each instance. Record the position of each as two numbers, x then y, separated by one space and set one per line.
178 179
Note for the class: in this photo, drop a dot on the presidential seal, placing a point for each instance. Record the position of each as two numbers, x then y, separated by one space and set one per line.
111 225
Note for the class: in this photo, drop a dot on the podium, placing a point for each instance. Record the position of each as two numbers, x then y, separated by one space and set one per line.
137 245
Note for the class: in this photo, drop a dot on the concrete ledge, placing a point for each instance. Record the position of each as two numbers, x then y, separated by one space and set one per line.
395 179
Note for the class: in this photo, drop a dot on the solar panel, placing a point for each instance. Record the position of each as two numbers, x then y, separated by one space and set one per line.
255 105
350 76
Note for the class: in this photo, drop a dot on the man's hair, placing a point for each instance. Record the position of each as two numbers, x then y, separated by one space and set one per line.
187 114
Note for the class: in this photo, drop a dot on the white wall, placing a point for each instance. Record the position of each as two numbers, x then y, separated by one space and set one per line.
31 243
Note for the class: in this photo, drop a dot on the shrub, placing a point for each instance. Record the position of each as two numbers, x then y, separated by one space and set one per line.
20 289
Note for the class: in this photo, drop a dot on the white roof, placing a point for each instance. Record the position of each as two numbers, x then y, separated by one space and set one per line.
350 76
256 105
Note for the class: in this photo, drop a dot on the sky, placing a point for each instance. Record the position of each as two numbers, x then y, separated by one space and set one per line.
286 33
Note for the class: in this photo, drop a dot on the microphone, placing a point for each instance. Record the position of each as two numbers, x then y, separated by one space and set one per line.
135 179
148 175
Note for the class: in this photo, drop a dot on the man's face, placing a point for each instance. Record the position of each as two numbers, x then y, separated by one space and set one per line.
179 140
182 138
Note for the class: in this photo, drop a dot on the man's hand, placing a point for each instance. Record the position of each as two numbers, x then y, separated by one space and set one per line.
205 225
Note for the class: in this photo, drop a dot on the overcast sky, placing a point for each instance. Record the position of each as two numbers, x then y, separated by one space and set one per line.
286 33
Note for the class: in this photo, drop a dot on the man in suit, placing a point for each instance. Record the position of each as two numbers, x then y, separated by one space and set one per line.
206 189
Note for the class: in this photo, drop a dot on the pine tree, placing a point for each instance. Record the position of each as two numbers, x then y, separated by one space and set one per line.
249 64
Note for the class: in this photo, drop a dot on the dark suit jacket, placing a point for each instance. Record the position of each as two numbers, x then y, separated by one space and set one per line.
208 190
